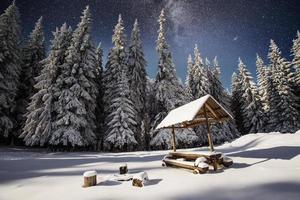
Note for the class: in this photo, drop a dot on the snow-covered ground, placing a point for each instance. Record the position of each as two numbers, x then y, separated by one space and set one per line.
266 166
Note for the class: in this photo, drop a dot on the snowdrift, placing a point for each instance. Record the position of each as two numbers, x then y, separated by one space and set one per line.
266 166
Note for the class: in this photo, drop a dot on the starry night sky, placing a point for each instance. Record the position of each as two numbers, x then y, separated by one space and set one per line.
226 28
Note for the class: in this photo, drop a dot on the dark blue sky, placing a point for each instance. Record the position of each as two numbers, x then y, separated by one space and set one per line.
226 28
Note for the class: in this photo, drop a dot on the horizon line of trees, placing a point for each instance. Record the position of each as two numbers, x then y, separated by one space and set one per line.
68 100
273 104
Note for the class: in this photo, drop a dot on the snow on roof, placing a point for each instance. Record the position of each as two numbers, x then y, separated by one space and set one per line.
189 112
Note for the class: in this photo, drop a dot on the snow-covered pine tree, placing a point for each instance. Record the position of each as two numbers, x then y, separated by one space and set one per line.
137 79
274 99
263 84
10 66
201 87
215 86
169 94
200 76
33 53
116 61
189 75
40 112
75 122
120 112
257 115
217 68
236 101
283 99
222 131
207 62
296 64
120 135
228 129
251 106
189 80
100 103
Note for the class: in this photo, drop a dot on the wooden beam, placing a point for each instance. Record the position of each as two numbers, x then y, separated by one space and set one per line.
202 113
210 142
174 139
212 111
192 124
197 122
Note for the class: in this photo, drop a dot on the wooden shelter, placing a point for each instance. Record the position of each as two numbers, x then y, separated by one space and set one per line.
203 111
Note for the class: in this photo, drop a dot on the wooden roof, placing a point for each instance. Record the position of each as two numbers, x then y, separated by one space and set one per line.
193 114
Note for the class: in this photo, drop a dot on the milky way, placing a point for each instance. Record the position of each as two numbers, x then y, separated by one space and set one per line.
226 28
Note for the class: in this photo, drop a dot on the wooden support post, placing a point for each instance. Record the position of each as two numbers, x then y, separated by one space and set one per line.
174 139
210 142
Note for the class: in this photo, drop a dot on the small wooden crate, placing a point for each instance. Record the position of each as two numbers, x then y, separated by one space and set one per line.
89 178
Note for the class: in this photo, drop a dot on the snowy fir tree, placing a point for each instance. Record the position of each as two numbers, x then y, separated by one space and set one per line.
189 80
120 112
10 59
33 53
137 79
207 61
263 83
222 131
167 86
284 116
100 103
120 132
263 87
190 72
236 102
200 77
251 106
217 68
205 79
296 64
116 62
40 115
169 93
68 100
75 108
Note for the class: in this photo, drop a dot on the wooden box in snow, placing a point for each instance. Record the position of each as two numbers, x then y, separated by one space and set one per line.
89 178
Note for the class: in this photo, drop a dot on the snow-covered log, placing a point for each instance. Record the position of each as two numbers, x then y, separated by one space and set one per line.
139 179
123 169
89 178
226 161
199 160
201 169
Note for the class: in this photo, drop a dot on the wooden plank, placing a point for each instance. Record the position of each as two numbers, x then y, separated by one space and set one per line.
192 156
212 111
210 142
215 110
178 164
193 123
174 139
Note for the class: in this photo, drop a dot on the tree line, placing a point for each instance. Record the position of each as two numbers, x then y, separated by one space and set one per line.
69 99
273 103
